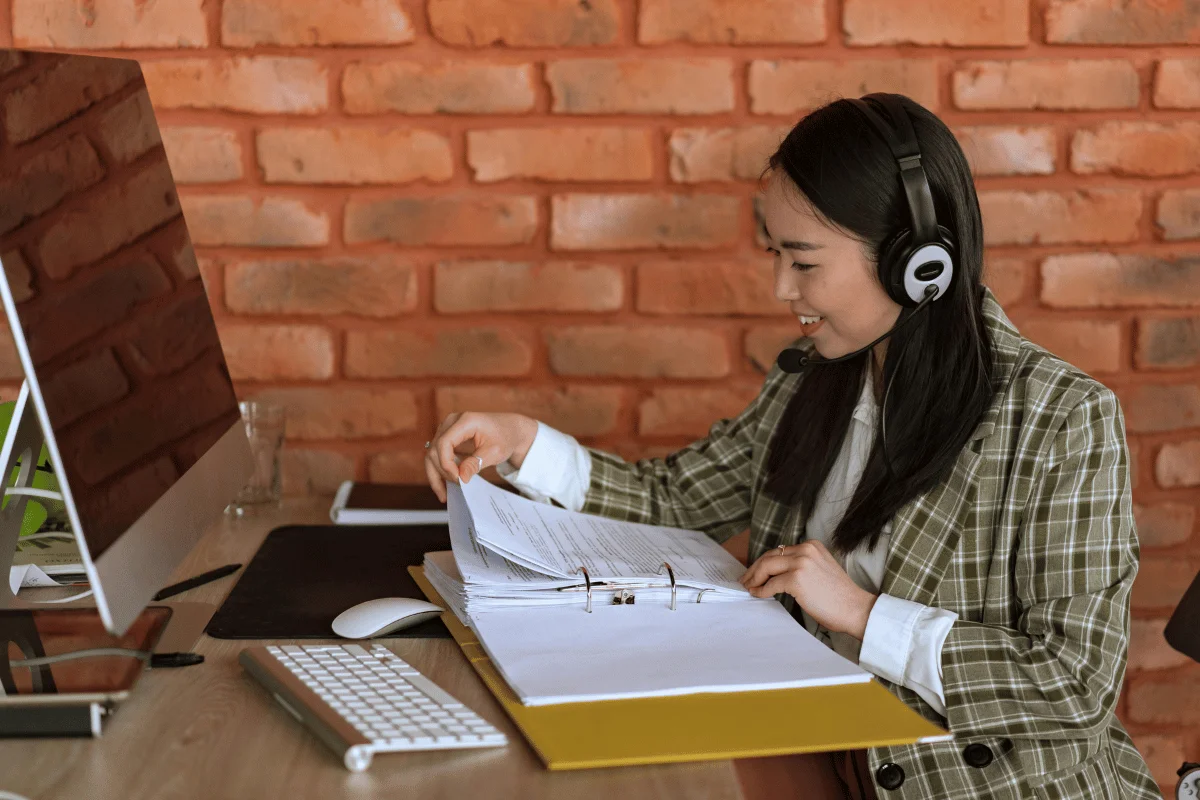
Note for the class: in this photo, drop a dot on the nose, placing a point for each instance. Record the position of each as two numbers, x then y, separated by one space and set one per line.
787 288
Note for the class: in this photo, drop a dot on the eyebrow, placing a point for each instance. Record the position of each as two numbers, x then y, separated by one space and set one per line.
790 245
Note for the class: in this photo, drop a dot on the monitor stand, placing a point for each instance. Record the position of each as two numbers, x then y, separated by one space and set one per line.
23 442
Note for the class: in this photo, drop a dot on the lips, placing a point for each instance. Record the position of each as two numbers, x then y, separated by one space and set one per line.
811 328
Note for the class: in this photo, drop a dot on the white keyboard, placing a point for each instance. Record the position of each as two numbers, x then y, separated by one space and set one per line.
361 702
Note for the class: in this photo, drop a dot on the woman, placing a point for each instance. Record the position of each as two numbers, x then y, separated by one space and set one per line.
977 555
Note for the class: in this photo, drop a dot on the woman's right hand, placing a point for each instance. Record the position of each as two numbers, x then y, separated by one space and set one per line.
487 438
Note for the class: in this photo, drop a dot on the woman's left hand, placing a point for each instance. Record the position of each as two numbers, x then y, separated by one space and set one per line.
809 573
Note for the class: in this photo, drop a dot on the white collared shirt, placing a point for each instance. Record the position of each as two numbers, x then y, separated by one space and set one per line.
903 640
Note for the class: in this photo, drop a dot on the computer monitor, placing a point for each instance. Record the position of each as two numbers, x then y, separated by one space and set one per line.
124 376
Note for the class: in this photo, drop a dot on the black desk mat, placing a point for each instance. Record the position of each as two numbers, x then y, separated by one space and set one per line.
305 575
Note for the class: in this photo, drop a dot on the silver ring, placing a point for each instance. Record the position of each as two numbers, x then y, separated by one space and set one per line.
781 551
427 445
480 461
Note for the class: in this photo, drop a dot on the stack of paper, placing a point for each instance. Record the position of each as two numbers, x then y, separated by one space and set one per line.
509 577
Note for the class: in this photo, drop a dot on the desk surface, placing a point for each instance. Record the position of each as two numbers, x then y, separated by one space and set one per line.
211 731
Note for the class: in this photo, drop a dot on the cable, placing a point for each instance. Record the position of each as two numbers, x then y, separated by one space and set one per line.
94 652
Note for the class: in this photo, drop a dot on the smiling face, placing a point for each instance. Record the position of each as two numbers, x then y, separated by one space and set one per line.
824 272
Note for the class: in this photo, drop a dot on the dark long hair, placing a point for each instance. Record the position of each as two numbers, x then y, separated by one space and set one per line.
941 363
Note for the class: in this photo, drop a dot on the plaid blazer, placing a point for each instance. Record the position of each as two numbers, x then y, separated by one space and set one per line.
1030 540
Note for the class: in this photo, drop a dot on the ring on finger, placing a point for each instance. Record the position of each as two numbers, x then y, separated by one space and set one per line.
427 445
480 461
781 550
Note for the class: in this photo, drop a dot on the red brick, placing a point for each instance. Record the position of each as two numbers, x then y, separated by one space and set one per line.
345 412
1177 83
61 92
577 410
722 154
113 216
725 22
1161 582
11 61
641 85
1148 649
1008 150
199 154
10 362
561 154
240 220
128 130
480 351
790 87
1178 214
1163 755
1046 84
174 335
556 286
1167 700
643 221
1091 346
377 287
1135 464
83 386
277 352
176 251
102 297
1143 149
456 220
248 23
43 180
314 472
103 24
1171 343
1164 524
258 85
353 155
405 466
1008 278
690 412
1107 280
763 344
639 352
983 23
530 23
455 88
695 287
1178 464
1121 22
1085 215
16 271
1155 407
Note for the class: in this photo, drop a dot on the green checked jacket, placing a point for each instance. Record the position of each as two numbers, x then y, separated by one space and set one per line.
1030 540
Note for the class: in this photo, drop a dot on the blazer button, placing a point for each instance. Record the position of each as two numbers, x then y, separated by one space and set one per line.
889 776
977 755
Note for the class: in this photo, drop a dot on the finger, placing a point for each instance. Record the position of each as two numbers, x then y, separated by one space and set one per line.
432 460
435 479
481 459
462 429
780 584
768 566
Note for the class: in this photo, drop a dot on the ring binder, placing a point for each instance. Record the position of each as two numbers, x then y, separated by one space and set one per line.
588 580
701 593
671 573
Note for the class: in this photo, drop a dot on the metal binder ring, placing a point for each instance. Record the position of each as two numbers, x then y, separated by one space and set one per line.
588 581
670 572
701 594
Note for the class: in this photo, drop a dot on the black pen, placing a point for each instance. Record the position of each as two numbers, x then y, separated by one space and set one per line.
167 660
199 580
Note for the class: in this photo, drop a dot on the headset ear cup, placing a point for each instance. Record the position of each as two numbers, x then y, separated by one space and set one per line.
893 255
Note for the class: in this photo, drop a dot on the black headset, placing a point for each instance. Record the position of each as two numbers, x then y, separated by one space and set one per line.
916 264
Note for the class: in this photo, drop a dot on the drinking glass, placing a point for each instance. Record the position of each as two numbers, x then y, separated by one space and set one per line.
264 428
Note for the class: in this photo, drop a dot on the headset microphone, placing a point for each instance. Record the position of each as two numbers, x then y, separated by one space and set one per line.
794 360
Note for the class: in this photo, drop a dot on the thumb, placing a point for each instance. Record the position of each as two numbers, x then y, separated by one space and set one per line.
473 464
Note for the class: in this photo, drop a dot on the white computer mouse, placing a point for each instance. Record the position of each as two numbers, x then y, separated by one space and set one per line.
383 616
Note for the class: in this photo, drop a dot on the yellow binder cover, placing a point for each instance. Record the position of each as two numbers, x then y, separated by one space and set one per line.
697 727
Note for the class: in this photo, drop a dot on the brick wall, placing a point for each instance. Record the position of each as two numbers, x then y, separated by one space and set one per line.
407 207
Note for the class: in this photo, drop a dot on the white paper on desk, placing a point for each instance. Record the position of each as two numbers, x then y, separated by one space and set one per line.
29 576
557 541
563 654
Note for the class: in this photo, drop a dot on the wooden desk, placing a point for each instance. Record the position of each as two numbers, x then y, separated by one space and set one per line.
211 731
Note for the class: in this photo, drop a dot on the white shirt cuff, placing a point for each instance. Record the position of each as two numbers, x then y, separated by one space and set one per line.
557 467
903 644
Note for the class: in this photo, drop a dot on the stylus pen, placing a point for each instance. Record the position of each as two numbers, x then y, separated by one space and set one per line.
199 580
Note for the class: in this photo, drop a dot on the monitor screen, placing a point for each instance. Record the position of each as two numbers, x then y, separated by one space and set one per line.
112 311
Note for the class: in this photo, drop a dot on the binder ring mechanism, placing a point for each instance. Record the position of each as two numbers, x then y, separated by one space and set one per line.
588 581
623 595
671 573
